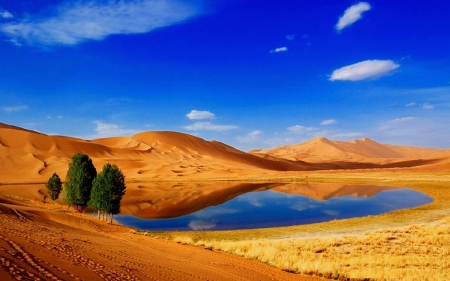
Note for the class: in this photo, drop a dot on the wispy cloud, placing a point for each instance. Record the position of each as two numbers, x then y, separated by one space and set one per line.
427 106
414 131
104 130
279 50
208 126
328 122
290 37
198 115
398 123
410 104
352 15
11 109
297 129
75 22
251 137
5 14
402 120
364 70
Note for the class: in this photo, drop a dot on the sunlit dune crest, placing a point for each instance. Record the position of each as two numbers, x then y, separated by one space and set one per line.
28 156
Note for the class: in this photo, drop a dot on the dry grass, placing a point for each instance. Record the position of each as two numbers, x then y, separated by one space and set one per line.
412 253
410 244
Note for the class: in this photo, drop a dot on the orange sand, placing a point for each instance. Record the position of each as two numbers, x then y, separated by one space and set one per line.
43 244
27 156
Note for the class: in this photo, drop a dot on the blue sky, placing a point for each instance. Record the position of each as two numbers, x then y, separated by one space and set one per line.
249 73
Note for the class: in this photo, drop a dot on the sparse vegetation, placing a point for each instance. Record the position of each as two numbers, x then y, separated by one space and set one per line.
54 187
412 253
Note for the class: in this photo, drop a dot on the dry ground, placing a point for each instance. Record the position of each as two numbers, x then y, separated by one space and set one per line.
41 244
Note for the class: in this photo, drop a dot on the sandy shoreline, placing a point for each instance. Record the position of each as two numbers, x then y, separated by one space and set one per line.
41 242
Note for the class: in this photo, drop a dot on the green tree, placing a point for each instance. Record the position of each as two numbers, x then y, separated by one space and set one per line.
108 189
54 187
79 179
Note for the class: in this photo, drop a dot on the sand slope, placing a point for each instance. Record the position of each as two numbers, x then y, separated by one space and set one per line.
364 153
43 244
27 156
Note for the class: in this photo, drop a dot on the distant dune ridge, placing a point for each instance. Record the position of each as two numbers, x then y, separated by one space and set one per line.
29 156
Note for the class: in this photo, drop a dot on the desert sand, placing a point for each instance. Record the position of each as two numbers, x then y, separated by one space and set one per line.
41 244
27 157
170 174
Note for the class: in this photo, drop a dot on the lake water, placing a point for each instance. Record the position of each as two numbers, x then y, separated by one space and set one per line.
276 207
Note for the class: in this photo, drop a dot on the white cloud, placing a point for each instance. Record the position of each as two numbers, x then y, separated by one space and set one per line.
364 70
10 109
251 137
424 132
290 37
352 15
427 106
399 124
328 122
75 22
5 14
402 120
208 126
297 129
14 42
104 130
279 50
197 115
410 104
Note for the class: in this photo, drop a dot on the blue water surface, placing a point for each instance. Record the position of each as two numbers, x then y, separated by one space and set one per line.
272 209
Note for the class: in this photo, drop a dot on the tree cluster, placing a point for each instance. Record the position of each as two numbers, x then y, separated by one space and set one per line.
84 187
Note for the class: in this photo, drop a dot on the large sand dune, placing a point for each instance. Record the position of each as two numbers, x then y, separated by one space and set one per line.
27 156
321 153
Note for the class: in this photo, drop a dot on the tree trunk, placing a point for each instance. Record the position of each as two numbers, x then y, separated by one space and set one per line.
98 213
110 219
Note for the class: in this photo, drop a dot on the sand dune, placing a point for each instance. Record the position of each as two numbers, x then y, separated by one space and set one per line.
322 150
27 156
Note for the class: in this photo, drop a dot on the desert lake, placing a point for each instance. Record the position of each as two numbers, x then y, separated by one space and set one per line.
273 205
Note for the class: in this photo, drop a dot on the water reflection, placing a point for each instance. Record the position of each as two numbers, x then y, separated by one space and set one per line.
273 205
